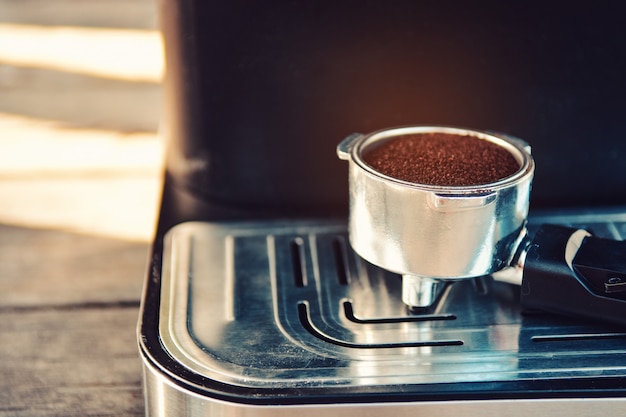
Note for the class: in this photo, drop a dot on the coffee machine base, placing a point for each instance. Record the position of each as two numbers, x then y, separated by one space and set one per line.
282 317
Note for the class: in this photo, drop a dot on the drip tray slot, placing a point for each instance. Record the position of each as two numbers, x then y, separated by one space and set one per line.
307 324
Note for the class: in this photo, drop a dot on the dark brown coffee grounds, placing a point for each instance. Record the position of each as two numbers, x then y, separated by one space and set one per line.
442 159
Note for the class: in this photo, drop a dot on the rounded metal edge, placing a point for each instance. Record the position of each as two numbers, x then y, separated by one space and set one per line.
165 397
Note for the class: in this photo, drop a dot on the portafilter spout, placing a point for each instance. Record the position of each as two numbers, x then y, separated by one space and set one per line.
421 292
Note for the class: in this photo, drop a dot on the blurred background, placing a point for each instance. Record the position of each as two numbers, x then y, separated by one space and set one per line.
79 112
80 156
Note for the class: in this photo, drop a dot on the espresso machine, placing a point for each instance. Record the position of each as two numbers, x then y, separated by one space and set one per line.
289 276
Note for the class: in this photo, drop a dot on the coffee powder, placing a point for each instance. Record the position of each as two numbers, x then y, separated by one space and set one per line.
442 159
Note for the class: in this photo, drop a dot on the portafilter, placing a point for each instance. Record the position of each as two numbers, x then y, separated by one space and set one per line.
439 204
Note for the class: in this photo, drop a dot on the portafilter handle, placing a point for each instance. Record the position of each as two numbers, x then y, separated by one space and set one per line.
568 271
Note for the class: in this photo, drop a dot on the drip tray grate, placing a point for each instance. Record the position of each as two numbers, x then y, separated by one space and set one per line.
288 304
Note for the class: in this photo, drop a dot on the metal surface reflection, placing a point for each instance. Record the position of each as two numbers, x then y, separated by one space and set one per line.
287 305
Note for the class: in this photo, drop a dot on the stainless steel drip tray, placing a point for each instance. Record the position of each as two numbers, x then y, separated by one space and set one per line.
289 305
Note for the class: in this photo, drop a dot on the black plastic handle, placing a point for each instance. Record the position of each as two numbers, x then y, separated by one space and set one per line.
586 279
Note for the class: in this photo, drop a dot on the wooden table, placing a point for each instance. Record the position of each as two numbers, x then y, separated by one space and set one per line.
68 310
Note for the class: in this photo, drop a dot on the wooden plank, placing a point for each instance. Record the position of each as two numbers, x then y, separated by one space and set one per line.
68 312
55 268
70 362
139 14
81 101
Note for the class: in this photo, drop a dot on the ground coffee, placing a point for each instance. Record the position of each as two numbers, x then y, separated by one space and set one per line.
442 159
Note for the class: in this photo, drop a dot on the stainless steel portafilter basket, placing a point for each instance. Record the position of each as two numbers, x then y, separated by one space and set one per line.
433 234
